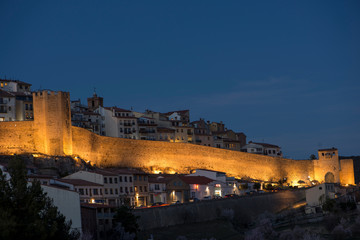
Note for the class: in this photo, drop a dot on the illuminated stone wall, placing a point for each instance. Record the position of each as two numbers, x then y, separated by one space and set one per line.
17 137
51 133
347 171
52 122
181 157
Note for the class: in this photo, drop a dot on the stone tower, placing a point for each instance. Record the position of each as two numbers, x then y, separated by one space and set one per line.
94 102
52 122
327 167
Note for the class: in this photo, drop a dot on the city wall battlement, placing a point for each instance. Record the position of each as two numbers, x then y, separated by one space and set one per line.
51 133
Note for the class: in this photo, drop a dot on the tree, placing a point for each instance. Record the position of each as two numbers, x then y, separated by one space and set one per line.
312 157
25 210
127 219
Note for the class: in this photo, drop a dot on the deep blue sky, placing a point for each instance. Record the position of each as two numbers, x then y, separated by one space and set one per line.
283 72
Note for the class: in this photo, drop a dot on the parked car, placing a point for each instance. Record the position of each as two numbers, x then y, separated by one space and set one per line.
175 203
231 196
207 198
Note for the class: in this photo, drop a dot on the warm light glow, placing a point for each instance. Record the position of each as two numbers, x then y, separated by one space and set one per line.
35 155
299 205
92 200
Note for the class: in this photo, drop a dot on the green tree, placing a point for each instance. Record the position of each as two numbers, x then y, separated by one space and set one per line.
312 157
127 219
25 210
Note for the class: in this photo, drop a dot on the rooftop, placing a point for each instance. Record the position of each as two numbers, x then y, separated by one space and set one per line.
196 180
78 182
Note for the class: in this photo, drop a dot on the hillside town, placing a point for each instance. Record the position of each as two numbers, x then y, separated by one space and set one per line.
89 196
174 126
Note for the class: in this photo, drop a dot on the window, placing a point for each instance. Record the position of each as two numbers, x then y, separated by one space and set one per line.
145 190
115 180
111 191
144 178
110 180
81 191
141 189
126 189
182 130
139 178
130 179
135 178
106 191
116 191
100 191
136 189
125 179
95 191
120 179
121 189
105 180
131 190
157 187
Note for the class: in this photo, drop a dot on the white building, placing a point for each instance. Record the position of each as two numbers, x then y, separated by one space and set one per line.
7 106
317 195
201 187
118 186
67 202
220 186
262 148
118 122
15 101
157 189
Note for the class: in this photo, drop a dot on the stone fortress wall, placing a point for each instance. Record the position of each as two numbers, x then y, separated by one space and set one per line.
51 133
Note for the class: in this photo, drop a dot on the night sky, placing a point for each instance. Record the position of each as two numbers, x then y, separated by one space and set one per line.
282 72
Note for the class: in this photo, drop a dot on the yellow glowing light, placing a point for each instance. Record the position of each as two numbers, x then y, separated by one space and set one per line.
299 205
92 200
35 155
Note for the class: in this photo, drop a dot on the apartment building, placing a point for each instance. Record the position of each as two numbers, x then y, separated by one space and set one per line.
202 133
147 128
262 148
119 122
15 101
117 186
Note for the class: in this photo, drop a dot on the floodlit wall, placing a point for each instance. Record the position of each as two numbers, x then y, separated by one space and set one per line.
17 137
52 122
181 157
51 133
347 171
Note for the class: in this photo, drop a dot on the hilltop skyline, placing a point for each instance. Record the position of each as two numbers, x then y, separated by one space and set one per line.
285 74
